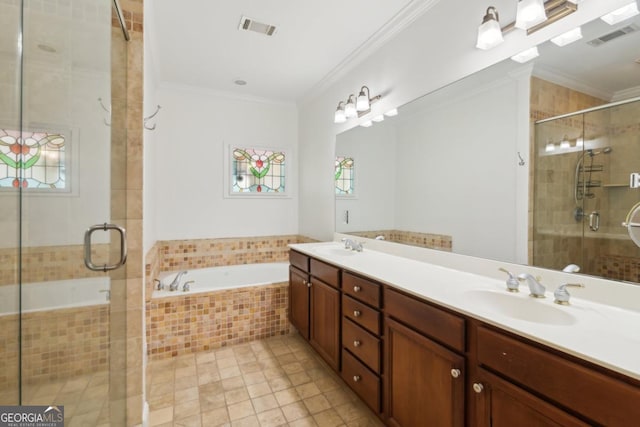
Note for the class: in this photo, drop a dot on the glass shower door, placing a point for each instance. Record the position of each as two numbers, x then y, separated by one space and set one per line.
65 171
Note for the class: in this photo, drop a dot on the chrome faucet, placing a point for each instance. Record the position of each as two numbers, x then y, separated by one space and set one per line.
186 287
352 244
512 281
562 296
160 285
571 268
536 289
175 283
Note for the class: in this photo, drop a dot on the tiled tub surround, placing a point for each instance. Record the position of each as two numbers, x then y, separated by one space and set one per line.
174 255
189 323
423 240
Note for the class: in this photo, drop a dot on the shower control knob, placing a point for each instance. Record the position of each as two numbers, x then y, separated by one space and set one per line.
357 313
356 288
455 373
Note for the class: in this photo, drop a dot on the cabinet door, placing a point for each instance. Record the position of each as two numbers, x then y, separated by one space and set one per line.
499 403
325 322
299 301
424 382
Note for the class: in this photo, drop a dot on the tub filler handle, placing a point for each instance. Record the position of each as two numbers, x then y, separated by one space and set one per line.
187 286
88 262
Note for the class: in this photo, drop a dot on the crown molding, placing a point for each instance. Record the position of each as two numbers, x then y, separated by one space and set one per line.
621 95
395 25
562 79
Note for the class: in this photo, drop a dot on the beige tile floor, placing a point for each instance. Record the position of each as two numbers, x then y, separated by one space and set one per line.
278 381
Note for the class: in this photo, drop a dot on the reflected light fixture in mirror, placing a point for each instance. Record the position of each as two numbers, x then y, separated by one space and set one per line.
619 15
489 32
526 55
530 13
568 37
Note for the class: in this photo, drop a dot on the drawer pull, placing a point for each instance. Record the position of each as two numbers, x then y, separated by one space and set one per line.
356 288
357 343
357 313
455 373
478 388
356 378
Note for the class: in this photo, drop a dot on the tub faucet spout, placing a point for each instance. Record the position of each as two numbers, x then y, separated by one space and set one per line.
175 283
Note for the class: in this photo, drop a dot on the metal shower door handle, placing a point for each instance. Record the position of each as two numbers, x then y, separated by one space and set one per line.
87 247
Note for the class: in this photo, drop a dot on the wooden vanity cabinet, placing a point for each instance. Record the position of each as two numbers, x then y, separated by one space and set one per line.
299 292
361 338
424 380
324 321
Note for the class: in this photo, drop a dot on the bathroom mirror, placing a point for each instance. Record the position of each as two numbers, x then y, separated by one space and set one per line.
453 170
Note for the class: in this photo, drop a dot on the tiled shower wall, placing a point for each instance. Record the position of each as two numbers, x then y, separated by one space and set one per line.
558 236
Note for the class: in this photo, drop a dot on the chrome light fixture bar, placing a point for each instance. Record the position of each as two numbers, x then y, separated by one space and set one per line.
555 11
355 106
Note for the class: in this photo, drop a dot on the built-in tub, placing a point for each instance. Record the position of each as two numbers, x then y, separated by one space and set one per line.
224 306
54 295
225 277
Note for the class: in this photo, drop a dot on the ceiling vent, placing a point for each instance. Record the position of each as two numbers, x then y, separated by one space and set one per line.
614 35
249 24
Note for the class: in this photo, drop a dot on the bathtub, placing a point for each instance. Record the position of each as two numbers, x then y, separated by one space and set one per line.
225 277
56 294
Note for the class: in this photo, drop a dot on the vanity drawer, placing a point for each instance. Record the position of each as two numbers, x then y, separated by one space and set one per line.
362 314
597 396
362 344
299 260
325 272
365 383
361 289
438 324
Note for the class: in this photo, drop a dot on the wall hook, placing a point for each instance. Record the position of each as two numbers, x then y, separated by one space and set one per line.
521 162
151 117
108 110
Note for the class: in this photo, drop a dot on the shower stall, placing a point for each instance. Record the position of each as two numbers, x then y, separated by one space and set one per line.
62 172
583 192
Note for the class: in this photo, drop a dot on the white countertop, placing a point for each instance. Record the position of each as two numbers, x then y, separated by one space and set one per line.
603 334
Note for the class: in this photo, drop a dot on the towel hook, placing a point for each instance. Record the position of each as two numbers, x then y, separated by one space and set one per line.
521 162
108 110
151 117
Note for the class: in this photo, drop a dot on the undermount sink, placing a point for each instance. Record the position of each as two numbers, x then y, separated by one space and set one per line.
334 251
517 307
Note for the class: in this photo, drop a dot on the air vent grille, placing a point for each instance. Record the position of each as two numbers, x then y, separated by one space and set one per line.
614 35
249 24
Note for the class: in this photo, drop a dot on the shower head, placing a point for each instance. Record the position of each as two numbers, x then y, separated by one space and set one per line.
605 150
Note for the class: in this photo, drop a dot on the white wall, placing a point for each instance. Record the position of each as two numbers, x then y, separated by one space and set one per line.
374 152
416 61
194 126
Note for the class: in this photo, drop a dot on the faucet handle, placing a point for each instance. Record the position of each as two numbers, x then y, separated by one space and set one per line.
512 281
187 285
562 295
159 285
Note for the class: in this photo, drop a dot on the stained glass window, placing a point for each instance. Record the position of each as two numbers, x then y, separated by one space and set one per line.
344 176
35 160
257 171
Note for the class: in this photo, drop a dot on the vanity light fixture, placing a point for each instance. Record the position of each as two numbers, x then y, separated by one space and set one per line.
526 55
340 116
489 32
378 118
550 147
565 142
530 13
366 124
619 15
568 37
391 113
355 106
350 110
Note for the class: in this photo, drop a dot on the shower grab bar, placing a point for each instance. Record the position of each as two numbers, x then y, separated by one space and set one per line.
88 262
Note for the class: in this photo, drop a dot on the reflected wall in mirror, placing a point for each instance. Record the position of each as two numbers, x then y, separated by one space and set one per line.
446 173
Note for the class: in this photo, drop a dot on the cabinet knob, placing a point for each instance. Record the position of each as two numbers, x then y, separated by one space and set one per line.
356 378
308 284
478 387
356 288
357 313
356 343
455 373
304 282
